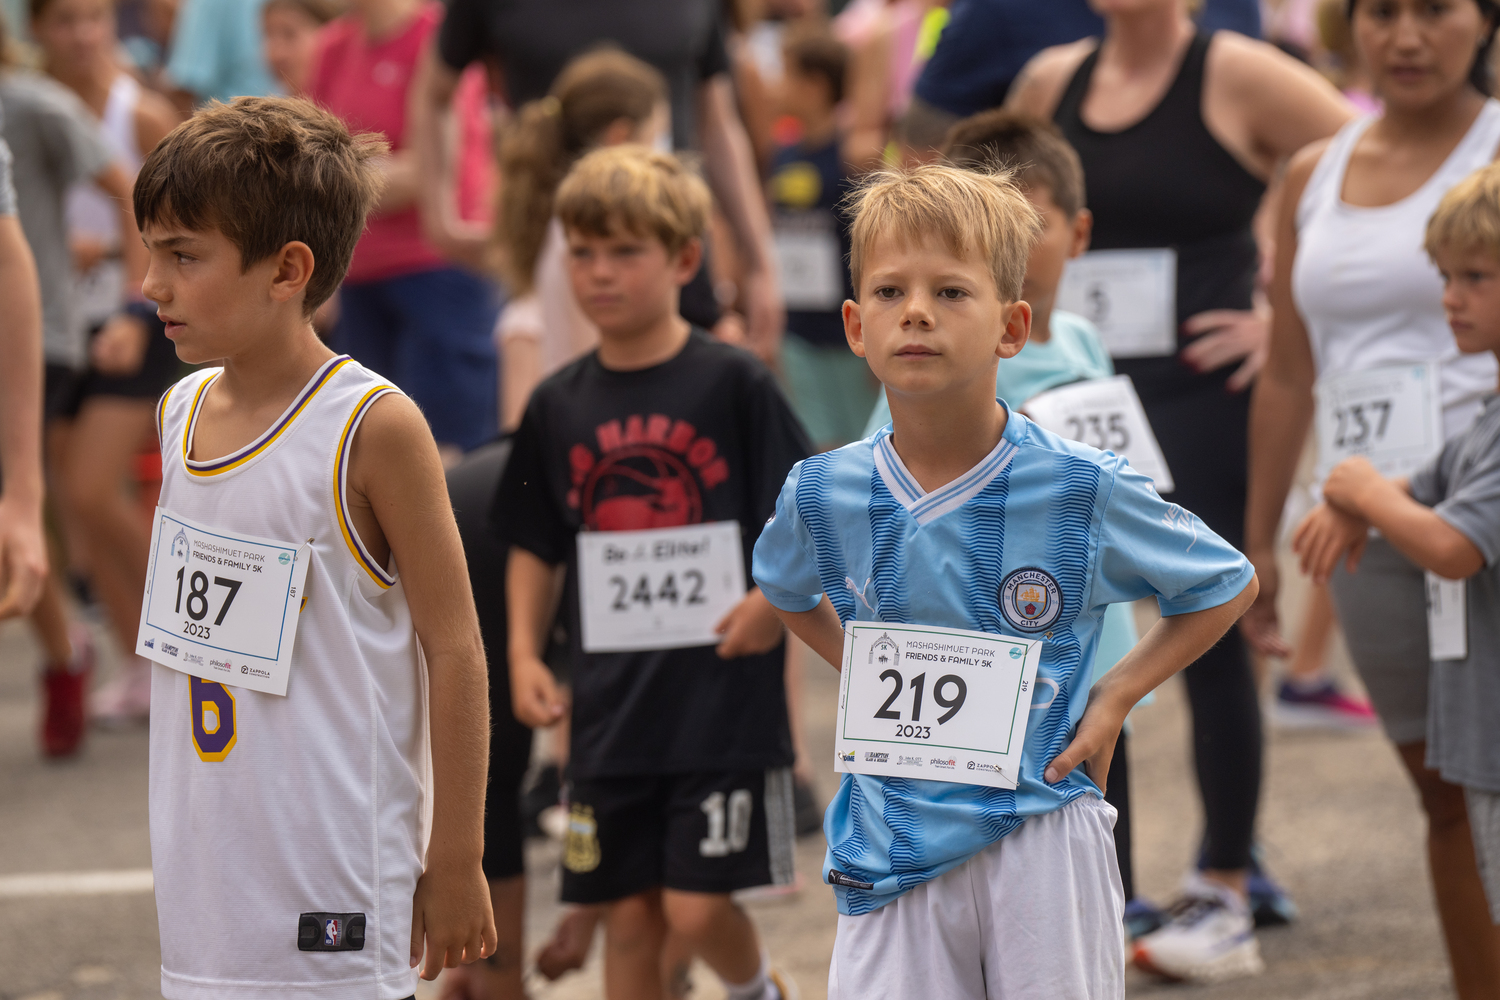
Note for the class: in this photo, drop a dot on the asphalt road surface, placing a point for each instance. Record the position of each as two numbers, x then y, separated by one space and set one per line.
1339 825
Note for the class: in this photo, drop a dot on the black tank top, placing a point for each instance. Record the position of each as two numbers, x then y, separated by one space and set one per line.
1167 182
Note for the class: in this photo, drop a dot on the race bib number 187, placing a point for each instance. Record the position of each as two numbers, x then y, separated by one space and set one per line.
220 605
918 701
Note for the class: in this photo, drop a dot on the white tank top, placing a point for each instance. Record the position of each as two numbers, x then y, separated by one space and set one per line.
311 803
1366 290
91 213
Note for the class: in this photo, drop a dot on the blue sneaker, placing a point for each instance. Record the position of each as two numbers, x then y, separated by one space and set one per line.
1141 918
1269 903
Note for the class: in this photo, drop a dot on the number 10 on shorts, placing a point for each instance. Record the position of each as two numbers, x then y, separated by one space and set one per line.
919 701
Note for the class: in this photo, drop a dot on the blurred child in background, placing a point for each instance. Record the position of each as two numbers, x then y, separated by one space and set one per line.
291 38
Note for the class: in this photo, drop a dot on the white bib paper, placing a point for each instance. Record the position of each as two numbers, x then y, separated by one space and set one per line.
220 605
918 701
1130 295
1447 618
1391 415
662 588
1104 413
812 269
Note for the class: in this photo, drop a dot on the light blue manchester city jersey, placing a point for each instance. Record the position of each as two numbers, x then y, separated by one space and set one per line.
1035 541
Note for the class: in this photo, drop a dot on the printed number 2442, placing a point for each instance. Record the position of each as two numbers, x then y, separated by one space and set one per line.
644 593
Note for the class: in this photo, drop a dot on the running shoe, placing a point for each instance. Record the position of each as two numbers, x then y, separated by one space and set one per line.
1141 918
127 697
1270 904
1319 705
63 690
785 984
1209 936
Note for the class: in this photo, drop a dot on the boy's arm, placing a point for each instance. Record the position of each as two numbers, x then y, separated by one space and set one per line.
1172 644
1416 530
395 466
531 592
819 628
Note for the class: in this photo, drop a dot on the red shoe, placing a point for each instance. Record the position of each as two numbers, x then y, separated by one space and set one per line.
63 693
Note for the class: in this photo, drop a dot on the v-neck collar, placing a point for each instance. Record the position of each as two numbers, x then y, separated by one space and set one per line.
927 507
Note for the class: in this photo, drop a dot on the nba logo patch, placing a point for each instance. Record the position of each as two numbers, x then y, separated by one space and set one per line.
331 932
1030 599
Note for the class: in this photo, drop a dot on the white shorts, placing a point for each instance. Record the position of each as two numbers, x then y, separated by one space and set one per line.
1035 916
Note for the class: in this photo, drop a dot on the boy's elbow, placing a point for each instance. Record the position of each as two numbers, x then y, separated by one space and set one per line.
1247 596
1459 560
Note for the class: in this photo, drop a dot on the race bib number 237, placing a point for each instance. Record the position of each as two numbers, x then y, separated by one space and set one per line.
221 605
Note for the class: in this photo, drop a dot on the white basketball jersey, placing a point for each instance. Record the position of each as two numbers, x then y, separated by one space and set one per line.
265 809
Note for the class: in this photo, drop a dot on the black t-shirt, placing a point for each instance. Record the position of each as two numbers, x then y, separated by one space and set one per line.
706 436
534 39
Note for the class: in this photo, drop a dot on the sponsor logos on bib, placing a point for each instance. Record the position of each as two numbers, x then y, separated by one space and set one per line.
1030 599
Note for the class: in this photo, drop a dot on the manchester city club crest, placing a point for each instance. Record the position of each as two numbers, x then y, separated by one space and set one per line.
1030 599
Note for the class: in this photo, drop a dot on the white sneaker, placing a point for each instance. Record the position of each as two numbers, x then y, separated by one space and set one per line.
1209 936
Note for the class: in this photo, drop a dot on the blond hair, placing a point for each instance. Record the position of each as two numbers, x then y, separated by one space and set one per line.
548 135
638 189
978 214
1468 217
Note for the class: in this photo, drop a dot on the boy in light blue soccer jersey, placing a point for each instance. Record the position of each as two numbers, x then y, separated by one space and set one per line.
966 515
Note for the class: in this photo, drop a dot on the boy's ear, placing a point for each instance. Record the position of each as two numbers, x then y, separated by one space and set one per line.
687 261
854 330
1083 232
293 269
1017 331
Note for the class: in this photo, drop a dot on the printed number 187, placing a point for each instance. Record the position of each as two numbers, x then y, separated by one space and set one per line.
197 597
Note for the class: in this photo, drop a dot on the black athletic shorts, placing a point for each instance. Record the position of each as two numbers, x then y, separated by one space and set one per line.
67 389
708 831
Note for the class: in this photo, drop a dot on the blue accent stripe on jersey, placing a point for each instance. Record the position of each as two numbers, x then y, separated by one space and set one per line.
814 489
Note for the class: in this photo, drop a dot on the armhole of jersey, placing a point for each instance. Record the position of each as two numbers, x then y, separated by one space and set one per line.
385 580
161 416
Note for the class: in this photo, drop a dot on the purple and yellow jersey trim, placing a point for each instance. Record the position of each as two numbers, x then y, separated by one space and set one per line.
238 458
362 556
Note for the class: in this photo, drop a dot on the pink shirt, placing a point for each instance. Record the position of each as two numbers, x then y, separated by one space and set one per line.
364 81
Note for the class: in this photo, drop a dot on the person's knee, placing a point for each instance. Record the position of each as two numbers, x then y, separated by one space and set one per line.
1442 801
635 923
694 915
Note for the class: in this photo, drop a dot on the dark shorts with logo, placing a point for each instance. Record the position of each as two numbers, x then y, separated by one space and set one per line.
707 831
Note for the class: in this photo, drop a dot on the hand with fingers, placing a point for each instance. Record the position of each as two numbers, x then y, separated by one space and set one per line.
1327 534
1226 336
452 922
119 348
23 557
1094 741
751 627
1261 625
535 697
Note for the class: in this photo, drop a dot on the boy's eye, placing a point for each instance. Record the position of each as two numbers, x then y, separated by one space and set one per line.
182 258
886 292
953 294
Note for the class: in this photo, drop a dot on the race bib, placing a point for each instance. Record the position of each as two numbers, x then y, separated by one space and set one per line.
918 701
1392 415
812 266
1447 618
221 605
662 588
1130 295
1104 413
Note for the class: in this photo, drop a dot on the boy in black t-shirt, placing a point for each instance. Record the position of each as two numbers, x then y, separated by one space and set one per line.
680 781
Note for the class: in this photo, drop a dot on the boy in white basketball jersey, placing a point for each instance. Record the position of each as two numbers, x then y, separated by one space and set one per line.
290 832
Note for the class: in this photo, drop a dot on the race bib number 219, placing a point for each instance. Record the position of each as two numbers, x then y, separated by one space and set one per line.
221 605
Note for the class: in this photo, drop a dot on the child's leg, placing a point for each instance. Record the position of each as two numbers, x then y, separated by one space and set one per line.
713 927
634 930
1306 664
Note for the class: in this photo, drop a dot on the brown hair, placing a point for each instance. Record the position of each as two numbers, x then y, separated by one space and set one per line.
975 213
815 52
641 190
1468 217
265 171
321 11
1033 149
592 92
